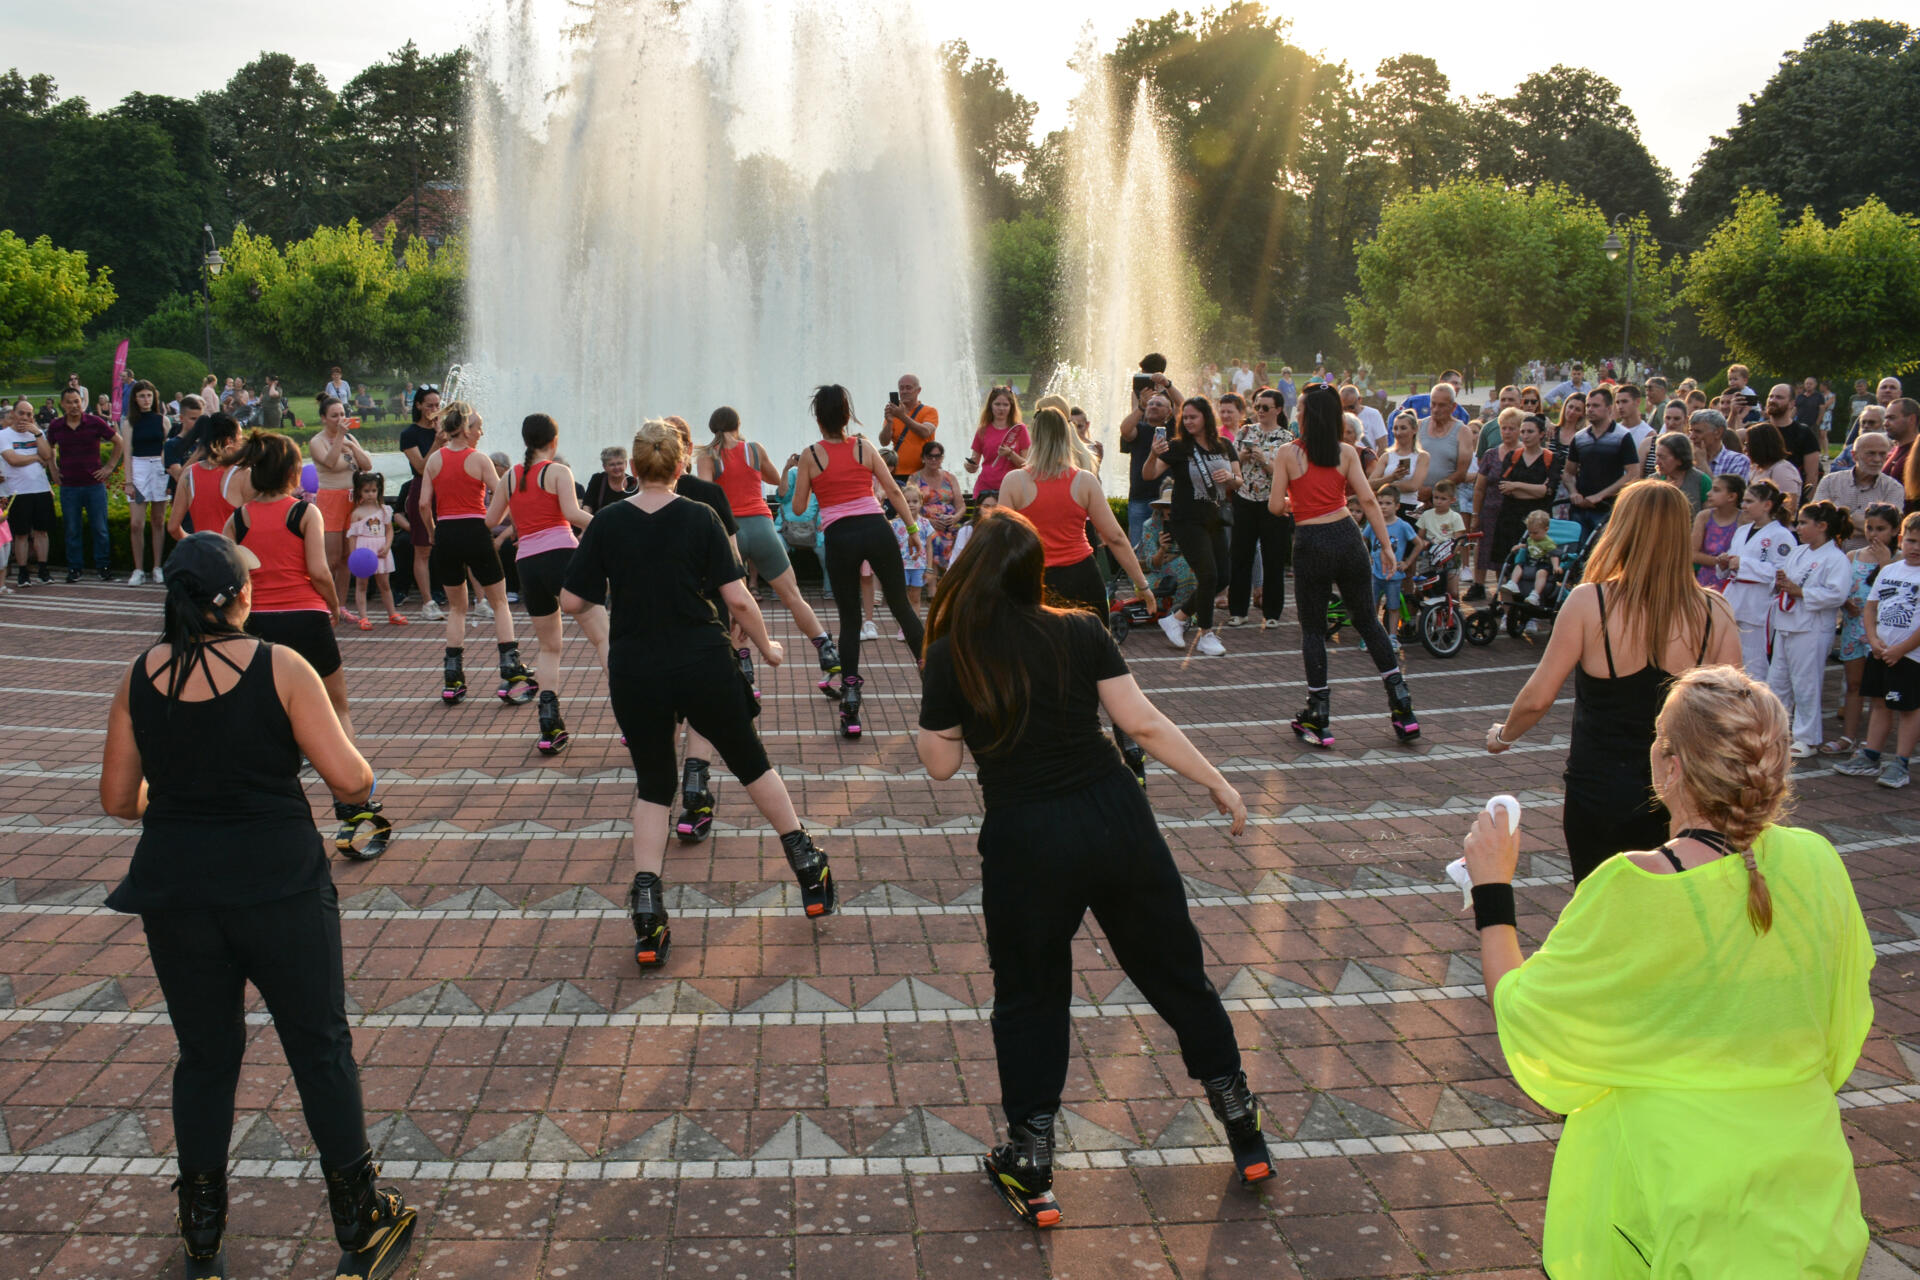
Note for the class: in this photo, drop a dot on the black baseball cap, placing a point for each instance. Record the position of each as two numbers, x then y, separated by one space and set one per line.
210 567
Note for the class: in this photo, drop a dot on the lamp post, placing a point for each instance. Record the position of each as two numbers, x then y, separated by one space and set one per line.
212 263
1612 249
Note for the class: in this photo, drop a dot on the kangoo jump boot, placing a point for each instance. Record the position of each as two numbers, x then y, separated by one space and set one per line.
202 1220
809 863
1314 724
696 802
646 903
1400 707
829 665
553 730
850 687
453 677
373 1224
1239 1113
1022 1171
517 685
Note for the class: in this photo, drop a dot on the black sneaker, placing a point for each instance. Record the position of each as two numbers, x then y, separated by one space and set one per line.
45 576
25 579
73 576
1477 591
106 575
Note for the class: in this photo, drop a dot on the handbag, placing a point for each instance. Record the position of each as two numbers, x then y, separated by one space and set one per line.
1220 500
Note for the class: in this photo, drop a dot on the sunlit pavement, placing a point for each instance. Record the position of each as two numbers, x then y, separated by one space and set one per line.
787 1096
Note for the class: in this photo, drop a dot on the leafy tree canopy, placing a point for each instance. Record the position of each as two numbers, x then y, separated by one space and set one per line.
47 296
995 125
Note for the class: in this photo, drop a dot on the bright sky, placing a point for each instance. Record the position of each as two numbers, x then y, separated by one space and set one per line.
1683 69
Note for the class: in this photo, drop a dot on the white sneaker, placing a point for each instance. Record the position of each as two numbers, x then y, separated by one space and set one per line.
483 611
158 579
1803 750
899 633
1533 598
137 579
1240 621
1268 624
1176 631
1210 645
432 611
868 631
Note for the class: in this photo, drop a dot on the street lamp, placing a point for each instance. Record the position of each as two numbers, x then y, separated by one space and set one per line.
1612 249
213 264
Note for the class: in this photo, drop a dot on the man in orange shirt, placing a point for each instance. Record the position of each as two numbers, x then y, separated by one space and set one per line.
907 427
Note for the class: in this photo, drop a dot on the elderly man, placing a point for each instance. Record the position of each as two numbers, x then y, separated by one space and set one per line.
1373 428
1883 395
1707 428
907 427
1448 440
1865 481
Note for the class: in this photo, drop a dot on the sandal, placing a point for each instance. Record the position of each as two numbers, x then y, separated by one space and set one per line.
1841 746
366 624
398 620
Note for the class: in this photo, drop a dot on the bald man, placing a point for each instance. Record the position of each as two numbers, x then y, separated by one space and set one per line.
907 427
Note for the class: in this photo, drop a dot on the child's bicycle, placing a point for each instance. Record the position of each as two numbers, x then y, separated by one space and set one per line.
1427 612
1122 618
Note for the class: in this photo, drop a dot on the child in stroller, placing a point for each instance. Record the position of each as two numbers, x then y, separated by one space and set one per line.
1535 557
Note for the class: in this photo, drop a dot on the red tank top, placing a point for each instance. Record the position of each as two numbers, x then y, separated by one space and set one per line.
534 509
1061 522
457 495
1319 491
742 483
842 479
280 584
209 508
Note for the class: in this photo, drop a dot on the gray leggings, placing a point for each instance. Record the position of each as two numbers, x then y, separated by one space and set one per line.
1326 556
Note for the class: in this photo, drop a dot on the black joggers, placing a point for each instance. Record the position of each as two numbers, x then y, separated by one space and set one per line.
290 951
1203 542
1255 528
867 539
1042 865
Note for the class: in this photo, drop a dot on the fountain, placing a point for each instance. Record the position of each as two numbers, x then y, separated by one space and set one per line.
1123 262
710 202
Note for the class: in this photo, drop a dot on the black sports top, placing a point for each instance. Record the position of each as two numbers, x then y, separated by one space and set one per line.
1613 720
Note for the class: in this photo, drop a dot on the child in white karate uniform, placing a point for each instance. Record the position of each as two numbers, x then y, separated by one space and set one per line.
1810 589
1759 549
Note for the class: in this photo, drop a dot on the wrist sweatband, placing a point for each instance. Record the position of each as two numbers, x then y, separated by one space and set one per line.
1493 904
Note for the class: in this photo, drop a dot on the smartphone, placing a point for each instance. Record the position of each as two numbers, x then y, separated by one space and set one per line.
893 397
1159 433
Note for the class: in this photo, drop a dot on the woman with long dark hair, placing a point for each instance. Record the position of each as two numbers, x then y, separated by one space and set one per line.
1204 480
546 509
238 891
843 472
1021 685
418 440
210 485
1312 479
670 658
144 438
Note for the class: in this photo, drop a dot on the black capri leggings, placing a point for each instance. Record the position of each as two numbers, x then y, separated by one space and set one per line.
1332 555
867 539
1077 586
1203 542
290 951
1255 528
709 694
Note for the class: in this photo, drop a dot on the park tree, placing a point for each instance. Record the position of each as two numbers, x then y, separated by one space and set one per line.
32 115
1806 296
1568 126
1833 126
47 297
273 134
1022 288
402 124
1476 273
995 127
341 296
1413 124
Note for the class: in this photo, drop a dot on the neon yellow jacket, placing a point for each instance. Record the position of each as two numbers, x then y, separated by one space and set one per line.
1696 1062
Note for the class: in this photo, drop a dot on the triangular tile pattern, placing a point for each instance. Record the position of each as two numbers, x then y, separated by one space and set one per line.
1124 992
971 896
6 992
919 1133
795 996
81 895
799 1139
1081 1134
1253 984
556 997
256 1137
381 899
1198 888
1380 878
1546 866
693 1142
1909 1055
1286 882
1332 1117
1192 1126
889 895
120 1134
1494 1112
104 996
680 897
481 899
534 1138
9 892
1462 971
1865 1079
915 994
1452 1113
441 997
1358 978
578 898
398 1138
6 1142
779 895
676 997
655 1144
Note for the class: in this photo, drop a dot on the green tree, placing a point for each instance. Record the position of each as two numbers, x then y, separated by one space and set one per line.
995 125
341 296
1833 126
32 115
47 297
1805 296
1022 279
1477 273
118 194
1568 126
403 126
273 133
1413 123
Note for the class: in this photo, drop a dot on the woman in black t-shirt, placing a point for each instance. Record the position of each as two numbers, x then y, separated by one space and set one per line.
1204 478
238 892
1066 828
669 658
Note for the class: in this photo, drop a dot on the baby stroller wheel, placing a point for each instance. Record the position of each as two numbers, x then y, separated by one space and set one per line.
1119 624
1482 626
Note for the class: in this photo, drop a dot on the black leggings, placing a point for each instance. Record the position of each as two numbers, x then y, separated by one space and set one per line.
1203 542
868 539
1077 586
1332 555
1602 817
290 951
710 694
1255 528
1042 865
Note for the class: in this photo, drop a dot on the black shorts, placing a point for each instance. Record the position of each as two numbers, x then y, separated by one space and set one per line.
307 632
706 692
31 513
541 576
464 544
1898 685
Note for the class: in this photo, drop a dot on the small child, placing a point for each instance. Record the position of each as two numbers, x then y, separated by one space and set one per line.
915 563
1438 526
372 528
1538 552
987 502
1401 535
1893 666
1882 523
1808 592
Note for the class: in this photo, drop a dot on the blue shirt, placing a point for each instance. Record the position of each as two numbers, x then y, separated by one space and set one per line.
1422 404
1401 535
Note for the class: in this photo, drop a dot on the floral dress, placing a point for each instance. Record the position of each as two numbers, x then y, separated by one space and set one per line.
1853 626
939 499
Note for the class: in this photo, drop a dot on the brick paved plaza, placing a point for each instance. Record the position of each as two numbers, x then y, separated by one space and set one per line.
789 1097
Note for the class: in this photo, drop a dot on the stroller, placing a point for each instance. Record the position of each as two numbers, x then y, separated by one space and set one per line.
1484 624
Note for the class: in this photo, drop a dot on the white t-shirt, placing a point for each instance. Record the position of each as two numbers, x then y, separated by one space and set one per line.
1243 380
1897 592
1373 427
32 478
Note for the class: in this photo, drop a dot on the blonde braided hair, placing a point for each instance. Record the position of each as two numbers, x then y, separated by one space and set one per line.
1731 736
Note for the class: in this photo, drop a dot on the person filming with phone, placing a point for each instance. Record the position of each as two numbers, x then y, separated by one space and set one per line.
907 427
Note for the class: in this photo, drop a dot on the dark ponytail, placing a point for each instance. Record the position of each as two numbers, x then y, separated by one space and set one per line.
271 461
832 410
1322 424
210 430
537 431
186 627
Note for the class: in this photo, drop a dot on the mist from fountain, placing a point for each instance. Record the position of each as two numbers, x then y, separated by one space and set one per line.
714 202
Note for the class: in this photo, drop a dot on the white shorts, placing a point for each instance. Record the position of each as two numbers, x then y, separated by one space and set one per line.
148 479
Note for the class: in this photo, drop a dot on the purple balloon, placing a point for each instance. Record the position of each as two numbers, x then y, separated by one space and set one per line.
310 478
364 562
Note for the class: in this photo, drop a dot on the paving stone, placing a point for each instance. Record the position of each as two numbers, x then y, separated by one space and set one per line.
1082 1134
397 1137
1250 984
914 993
1192 1126
441 997
480 899
920 1134
382 899
799 1139
578 898
795 996
888 895
121 1134
1332 1117
256 1137
556 997
676 997
103 996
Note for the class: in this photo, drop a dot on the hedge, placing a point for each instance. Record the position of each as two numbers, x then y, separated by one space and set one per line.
169 371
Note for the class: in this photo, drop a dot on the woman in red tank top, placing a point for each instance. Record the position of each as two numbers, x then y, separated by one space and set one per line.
293 593
210 485
743 470
453 508
843 472
540 494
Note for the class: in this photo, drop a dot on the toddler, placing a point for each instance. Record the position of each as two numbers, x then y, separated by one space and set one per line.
372 528
1401 535
915 563
1538 552
1438 526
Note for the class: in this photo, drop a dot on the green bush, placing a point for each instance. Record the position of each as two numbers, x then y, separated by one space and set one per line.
167 369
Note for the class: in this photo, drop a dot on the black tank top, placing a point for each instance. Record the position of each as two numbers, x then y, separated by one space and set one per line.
227 822
1613 720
